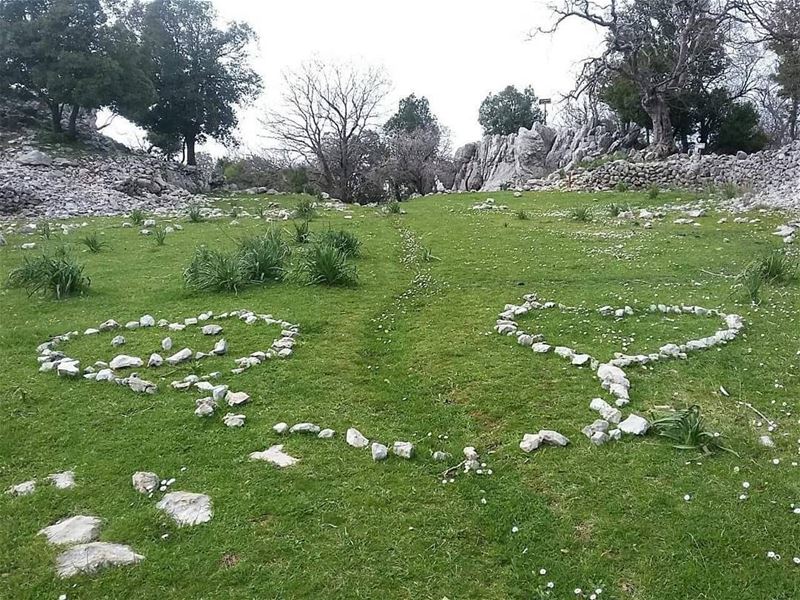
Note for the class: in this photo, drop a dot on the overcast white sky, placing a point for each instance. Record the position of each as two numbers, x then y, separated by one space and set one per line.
454 52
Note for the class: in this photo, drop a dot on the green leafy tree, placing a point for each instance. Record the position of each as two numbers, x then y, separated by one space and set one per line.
505 112
70 53
200 72
412 113
739 130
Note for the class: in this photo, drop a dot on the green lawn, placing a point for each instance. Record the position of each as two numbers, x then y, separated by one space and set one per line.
410 354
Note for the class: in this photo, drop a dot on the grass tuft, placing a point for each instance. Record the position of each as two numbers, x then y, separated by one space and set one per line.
214 271
616 210
393 208
160 235
305 209
653 191
522 215
687 431
326 264
345 241
137 216
263 257
730 190
302 233
58 275
93 242
195 214
581 213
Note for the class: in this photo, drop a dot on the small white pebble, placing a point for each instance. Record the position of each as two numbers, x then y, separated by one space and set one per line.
742 496
551 585
483 500
514 529
796 560
770 554
542 571
687 497
578 591
746 485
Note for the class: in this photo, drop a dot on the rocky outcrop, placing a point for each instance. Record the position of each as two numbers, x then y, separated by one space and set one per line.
769 178
498 161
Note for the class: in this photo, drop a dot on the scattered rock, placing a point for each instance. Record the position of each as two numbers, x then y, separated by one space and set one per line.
379 451
123 361
635 425
89 558
236 398
355 439
180 357
276 456
63 481
403 449
26 488
232 420
186 508
73 530
145 482
326 434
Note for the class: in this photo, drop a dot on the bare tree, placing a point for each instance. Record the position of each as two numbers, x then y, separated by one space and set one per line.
326 107
659 45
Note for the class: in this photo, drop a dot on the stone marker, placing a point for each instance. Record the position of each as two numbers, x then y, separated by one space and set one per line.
379 451
305 428
355 439
403 449
635 425
145 482
275 456
63 481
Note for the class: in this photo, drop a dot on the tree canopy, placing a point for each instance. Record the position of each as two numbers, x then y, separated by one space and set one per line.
508 110
200 72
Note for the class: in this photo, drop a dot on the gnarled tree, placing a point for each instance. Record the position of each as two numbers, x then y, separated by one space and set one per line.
659 45
328 110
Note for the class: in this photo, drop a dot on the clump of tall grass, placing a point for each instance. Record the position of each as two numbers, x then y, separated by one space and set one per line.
653 191
622 187
93 242
44 230
325 264
58 275
730 190
686 430
345 241
774 268
393 208
305 209
137 216
195 214
581 213
426 254
160 235
302 233
263 257
615 209
521 215
215 271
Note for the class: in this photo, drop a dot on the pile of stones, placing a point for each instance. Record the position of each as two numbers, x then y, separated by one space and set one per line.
613 378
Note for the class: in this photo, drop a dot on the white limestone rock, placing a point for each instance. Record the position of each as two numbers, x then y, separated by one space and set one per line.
118 341
187 508
275 456
108 325
91 557
634 425
147 321
355 439
553 437
63 481
608 412
73 530
280 428
145 482
220 348
26 488
233 420
305 428
141 386
205 407
67 368
326 434
530 442
212 329
123 361
155 360
166 343
403 449
180 357
236 398
379 451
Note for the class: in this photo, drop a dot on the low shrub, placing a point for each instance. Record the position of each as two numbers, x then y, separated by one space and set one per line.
325 264
776 267
730 190
57 274
44 230
615 209
653 191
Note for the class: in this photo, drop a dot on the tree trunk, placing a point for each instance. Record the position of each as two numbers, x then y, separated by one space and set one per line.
793 118
55 115
73 121
663 142
190 156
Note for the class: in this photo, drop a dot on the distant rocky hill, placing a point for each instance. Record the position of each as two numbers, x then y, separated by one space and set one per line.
94 176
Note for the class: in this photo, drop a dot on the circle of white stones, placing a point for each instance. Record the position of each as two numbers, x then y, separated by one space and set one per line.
610 373
52 359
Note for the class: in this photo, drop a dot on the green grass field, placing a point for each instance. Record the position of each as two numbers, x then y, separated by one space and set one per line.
409 354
